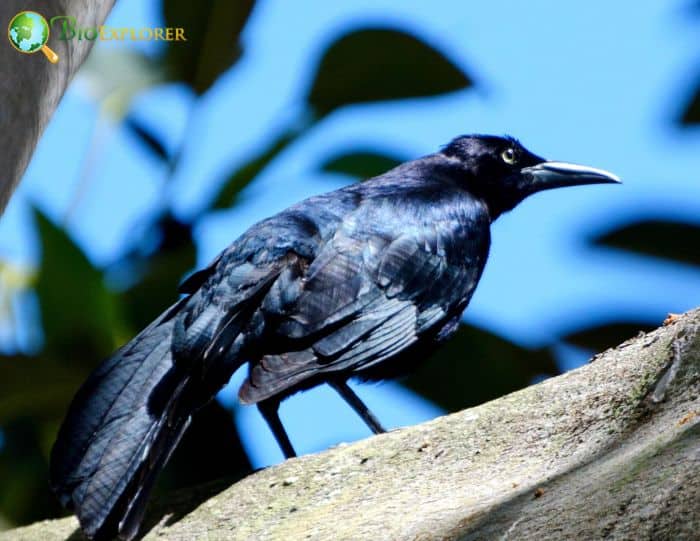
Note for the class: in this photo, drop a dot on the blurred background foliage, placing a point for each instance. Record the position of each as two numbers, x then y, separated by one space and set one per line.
87 311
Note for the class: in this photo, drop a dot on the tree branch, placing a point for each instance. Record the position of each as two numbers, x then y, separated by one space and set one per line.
609 450
31 87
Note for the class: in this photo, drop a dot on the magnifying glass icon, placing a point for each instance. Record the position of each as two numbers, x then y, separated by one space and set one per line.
29 32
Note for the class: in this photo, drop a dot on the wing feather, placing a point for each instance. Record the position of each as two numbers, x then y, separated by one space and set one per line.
361 302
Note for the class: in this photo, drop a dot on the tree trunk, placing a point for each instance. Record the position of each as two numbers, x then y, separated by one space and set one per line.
611 450
31 87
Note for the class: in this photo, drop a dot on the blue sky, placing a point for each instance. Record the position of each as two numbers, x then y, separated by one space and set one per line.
597 83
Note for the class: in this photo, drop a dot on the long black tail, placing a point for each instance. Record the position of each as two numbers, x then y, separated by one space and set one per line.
120 431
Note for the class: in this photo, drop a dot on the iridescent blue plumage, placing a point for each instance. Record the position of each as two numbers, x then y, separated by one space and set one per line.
361 282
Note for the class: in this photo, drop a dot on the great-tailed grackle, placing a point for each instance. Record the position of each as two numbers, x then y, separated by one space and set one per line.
363 281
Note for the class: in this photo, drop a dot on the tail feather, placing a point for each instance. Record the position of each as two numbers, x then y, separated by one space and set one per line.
132 517
120 431
129 416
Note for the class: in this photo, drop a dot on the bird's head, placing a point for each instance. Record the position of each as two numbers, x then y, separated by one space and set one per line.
503 172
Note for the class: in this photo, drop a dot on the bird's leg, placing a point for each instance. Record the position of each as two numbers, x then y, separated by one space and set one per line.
269 408
358 405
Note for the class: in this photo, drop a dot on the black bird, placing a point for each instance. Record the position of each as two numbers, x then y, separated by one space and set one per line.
361 282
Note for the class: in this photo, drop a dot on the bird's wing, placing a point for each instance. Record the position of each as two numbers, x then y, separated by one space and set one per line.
223 308
366 297
222 315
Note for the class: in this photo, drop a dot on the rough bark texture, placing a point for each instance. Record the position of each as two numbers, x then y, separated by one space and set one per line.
611 450
31 87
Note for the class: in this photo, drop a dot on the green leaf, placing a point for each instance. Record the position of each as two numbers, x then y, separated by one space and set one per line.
374 64
40 387
361 164
676 241
25 496
212 29
243 175
34 396
146 136
602 336
80 323
475 366
37 387
79 315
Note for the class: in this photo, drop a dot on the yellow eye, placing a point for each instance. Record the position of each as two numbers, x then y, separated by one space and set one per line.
508 156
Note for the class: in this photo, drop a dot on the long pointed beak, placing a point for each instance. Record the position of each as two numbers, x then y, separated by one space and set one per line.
546 175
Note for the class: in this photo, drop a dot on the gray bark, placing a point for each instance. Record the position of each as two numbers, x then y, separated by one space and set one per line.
31 87
611 450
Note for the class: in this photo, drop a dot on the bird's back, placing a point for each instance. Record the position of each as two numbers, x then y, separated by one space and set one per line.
382 266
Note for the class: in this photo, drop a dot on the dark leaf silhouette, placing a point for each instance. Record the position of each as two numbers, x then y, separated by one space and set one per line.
146 135
601 336
691 111
476 366
352 71
212 30
156 267
79 314
361 164
676 241
373 64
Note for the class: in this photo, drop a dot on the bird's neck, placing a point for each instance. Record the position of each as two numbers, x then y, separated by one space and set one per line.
497 205
452 172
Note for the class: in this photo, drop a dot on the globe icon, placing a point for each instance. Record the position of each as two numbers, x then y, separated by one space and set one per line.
28 33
